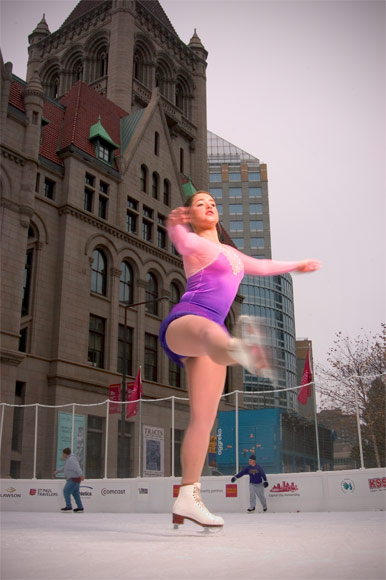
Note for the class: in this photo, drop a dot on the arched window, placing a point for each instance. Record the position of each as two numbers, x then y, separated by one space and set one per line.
50 80
183 95
160 80
126 284
155 185
53 90
143 61
144 178
166 192
175 294
151 293
77 72
139 68
99 273
179 96
101 63
156 143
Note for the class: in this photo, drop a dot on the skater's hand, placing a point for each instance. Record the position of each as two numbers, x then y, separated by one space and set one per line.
82 478
266 484
180 215
308 265
233 479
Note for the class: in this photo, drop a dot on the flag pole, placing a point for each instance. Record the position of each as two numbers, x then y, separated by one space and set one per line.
316 428
315 413
140 429
358 424
107 436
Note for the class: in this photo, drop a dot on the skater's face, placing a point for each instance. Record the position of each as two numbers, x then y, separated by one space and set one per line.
203 211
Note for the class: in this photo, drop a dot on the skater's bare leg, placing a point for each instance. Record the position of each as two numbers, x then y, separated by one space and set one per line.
194 336
205 383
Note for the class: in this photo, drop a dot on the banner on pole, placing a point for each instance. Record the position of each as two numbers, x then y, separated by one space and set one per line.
115 395
306 391
133 393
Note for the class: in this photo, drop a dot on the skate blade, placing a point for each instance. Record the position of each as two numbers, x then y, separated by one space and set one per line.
199 530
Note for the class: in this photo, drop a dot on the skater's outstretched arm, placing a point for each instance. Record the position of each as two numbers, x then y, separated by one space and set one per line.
257 267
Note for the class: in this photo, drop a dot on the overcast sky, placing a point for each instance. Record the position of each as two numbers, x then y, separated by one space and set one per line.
301 86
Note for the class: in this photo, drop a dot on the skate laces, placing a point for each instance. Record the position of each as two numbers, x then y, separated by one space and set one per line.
200 504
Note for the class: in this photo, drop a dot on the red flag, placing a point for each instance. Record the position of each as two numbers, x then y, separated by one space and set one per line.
115 395
134 392
305 391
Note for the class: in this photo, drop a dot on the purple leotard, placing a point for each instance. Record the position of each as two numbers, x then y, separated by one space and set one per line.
209 293
214 272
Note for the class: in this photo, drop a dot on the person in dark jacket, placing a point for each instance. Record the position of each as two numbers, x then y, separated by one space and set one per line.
74 475
257 483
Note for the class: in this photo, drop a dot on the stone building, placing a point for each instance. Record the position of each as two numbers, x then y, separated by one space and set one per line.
96 146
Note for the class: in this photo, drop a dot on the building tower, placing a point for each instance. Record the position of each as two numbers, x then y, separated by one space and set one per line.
95 148
239 183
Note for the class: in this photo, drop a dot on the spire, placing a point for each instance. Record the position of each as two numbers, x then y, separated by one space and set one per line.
196 45
41 31
97 131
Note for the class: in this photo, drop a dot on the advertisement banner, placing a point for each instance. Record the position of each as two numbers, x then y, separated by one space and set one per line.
115 395
78 445
153 451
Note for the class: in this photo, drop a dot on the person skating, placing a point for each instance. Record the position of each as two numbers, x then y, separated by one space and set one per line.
194 335
74 475
257 483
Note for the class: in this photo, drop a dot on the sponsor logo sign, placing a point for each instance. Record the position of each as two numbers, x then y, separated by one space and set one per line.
347 486
10 492
284 489
377 484
105 491
85 491
143 491
43 492
231 490
220 444
211 491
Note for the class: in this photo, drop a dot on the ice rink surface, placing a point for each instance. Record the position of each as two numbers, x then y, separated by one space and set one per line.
105 546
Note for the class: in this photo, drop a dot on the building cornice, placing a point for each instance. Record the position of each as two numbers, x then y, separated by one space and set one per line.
13 155
11 357
119 234
66 34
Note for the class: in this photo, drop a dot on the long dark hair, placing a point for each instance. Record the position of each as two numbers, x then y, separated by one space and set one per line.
189 201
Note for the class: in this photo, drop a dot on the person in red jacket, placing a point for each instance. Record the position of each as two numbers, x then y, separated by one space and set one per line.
257 483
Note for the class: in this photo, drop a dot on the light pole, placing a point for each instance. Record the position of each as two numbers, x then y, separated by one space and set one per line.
123 385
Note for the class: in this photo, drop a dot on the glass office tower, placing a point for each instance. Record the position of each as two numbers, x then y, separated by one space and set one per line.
239 183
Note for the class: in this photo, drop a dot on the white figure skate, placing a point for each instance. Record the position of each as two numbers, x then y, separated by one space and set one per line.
249 347
189 506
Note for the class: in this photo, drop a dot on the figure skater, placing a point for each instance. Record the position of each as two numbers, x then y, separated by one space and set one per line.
194 335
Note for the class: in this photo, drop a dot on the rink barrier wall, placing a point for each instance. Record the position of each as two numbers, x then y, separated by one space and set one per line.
351 490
